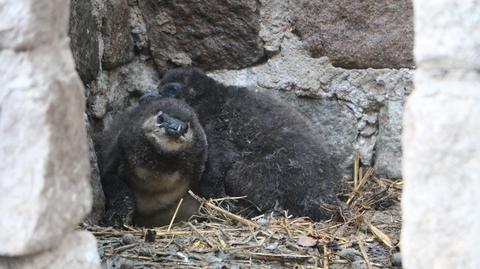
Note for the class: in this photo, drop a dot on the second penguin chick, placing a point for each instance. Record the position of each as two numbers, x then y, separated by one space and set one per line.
158 151
259 146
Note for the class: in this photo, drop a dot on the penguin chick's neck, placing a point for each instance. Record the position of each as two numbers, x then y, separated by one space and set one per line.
164 192
188 208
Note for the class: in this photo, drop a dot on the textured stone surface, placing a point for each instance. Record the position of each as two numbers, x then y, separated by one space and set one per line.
84 39
388 151
210 34
117 41
98 205
359 34
458 20
441 169
276 17
22 27
441 155
45 169
116 90
345 104
77 250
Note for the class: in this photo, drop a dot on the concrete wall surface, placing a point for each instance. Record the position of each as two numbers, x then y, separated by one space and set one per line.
441 150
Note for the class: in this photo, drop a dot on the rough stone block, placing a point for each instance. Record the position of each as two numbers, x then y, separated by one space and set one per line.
388 149
44 171
84 39
98 204
30 23
77 250
117 41
210 34
359 34
441 157
447 33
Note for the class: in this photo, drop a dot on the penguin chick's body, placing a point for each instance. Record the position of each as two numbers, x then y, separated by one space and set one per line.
258 146
155 153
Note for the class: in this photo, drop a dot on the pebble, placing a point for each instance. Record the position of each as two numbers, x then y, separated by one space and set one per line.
350 254
127 266
360 264
397 260
128 239
150 236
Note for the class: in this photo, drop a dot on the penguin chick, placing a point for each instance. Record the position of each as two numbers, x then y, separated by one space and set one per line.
153 153
259 146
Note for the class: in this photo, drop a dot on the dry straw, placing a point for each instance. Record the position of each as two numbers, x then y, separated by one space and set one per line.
368 226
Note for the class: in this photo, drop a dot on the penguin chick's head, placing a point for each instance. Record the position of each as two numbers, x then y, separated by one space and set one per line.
169 131
185 83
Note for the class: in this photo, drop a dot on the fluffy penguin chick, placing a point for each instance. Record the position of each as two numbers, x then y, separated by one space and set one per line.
258 146
155 153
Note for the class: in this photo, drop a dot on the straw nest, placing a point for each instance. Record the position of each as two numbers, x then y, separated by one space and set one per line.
363 234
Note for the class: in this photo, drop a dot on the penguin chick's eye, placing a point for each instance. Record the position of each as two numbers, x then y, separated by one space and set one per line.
172 89
160 118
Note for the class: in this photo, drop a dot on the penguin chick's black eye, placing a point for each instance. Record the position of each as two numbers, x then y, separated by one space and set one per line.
172 89
160 118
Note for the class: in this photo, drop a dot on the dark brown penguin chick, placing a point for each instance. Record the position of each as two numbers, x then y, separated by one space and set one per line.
153 154
259 146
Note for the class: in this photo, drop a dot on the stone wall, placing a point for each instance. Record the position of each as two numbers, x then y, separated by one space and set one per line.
441 209
44 187
269 45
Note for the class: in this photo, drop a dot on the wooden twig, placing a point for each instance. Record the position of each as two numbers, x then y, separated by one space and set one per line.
381 235
278 257
224 212
174 215
229 198
356 165
202 236
360 184
364 252
123 248
325 257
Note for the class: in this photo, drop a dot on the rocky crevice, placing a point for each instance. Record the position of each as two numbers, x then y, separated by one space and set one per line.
266 45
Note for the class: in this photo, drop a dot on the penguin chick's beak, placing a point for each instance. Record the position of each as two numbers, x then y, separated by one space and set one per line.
174 128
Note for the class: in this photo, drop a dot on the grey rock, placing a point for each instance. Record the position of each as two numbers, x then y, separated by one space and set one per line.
358 34
209 34
128 239
117 41
456 45
84 40
139 32
350 253
44 170
365 146
359 264
388 151
368 131
397 259
441 154
76 250
119 89
276 18
98 205
21 28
